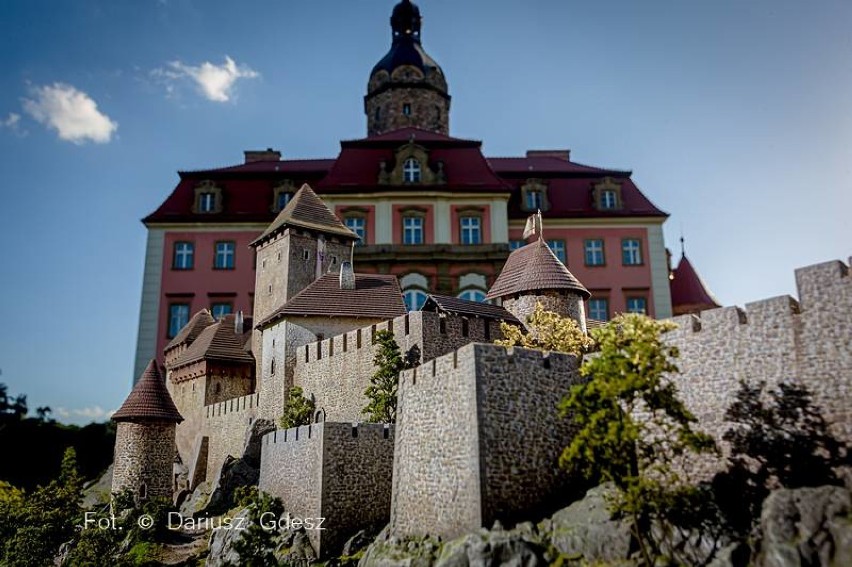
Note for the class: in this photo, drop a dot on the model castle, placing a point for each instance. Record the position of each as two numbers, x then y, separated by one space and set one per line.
478 435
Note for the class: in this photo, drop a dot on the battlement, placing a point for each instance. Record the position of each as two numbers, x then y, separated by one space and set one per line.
305 433
233 405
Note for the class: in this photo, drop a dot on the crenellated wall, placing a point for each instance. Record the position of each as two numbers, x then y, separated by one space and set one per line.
774 340
226 424
337 370
337 471
478 439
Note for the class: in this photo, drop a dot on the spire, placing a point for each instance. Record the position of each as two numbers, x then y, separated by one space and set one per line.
689 292
149 400
406 22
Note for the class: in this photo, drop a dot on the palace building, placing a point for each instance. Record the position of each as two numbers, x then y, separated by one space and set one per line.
416 203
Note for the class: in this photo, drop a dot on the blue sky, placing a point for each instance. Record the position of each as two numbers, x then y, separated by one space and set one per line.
735 117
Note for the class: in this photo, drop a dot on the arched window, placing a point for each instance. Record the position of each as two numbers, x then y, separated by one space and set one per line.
414 299
411 171
473 295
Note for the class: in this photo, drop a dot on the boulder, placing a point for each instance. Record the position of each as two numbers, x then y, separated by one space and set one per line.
222 543
97 493
486 548
234 474
806 527
292 547
195 501
587 529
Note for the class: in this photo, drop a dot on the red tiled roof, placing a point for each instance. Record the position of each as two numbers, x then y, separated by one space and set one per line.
218 342
306 210
535 267
447 304
248 189
374 297
192 329
149 399
689 292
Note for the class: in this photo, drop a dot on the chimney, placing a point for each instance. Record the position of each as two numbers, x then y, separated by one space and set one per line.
262 155
560 154
238 324
347 276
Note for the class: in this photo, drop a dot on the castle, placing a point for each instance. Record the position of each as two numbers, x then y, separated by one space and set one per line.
478 434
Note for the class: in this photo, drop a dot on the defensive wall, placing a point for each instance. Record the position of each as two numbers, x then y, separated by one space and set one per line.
807 341
337 370
337 471
478 439
225 425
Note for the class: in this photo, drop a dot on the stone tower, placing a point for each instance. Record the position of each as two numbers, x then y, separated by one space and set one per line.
407 87
145 439
534 274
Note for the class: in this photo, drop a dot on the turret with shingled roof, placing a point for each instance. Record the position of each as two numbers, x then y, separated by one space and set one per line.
689 292
533 274
145 438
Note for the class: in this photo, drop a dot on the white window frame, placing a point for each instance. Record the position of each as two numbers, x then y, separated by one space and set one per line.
560 249
609 199
470 230
631 252
535 200
215 307
412 171
413 231
207 202
414 299
595 309
179 321
634 302
184 256
595 248
477 295
227 250
358 225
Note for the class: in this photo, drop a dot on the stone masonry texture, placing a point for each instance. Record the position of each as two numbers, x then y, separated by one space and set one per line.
144 453
337 471
808 341
478 440
566 304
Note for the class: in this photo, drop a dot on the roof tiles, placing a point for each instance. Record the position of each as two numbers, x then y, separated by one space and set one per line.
447 304
535 267
307 210
217 342
149 399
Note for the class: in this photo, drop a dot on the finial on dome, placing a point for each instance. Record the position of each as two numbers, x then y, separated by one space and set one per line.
406 21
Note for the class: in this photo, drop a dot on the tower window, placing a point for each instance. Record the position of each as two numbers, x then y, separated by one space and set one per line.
412 230
183 256
411 172
631 252
594 252
406 109
225 253
471 230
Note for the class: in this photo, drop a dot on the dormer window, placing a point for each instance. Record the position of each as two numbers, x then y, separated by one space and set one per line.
411 171
607 195
208 198
535 200
534 196
281 195
206 202
282 200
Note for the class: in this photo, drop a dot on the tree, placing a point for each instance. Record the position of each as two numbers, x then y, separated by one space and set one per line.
384 384
547 331
300 410
778 438
634 431
11 408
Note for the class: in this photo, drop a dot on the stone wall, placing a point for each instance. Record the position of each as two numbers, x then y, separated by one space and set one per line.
478 440
774 340
566 304
337 471
188 396
226 424
337 370
144 453
430 110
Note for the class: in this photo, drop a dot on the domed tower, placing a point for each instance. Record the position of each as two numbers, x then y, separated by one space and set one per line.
407 88
145 439
533 274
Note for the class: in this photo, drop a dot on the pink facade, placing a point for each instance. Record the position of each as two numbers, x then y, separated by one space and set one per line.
203 285
613 281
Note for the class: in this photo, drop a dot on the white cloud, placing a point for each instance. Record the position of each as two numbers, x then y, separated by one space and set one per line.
11 121
83 415
216 82
72 113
